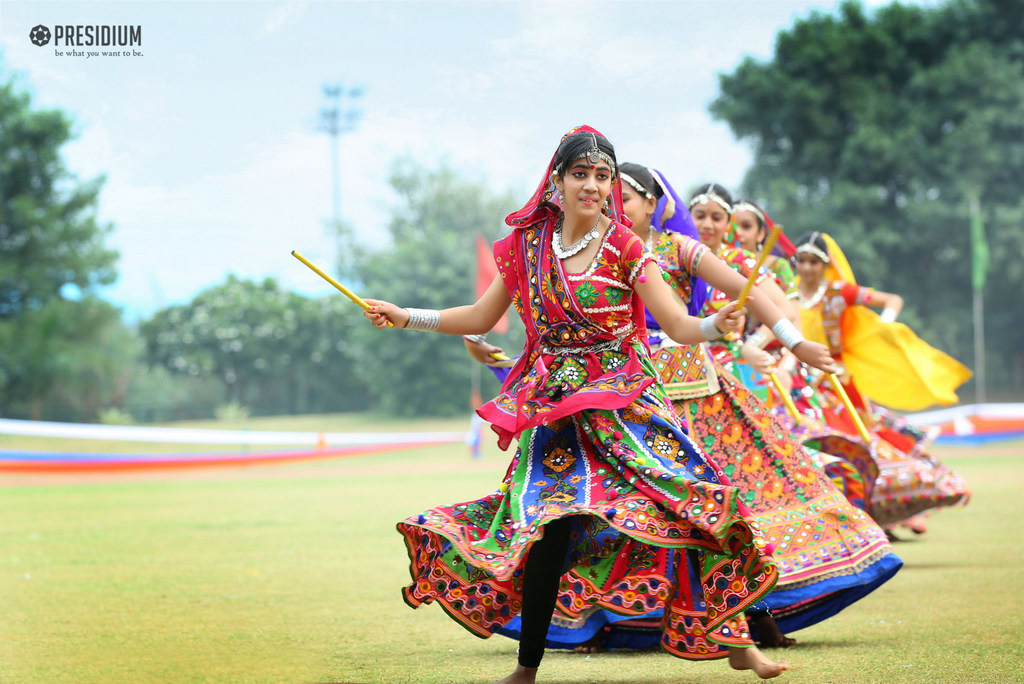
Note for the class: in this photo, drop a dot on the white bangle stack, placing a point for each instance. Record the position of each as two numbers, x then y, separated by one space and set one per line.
427 320
708 328
888 315
787 333
757 339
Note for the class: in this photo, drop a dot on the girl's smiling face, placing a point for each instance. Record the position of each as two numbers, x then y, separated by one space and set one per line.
748 230
712 222
810 268
585 187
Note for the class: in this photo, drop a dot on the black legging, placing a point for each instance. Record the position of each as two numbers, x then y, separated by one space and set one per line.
544 567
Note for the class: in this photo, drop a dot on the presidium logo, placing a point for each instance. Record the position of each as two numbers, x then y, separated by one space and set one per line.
105 40
40 35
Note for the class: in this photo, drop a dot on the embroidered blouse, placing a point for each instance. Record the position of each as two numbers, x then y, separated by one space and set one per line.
585 332
686 371
821 315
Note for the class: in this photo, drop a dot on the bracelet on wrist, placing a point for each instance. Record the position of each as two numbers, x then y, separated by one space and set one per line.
709 330
787 333
888 315
427 320
757 339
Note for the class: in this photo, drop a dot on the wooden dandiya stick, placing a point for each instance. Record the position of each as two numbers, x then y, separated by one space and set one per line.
344 290
769 243
786 399
841 391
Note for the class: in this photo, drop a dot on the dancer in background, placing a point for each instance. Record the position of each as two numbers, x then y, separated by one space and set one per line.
818 534
603 475
830 553
847 460
752 226
886 363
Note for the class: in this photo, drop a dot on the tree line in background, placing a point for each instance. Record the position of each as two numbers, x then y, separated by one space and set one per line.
876 129
241 347
879 130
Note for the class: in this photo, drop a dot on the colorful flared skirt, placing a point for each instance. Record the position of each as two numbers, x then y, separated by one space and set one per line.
830 553
635 486
910 481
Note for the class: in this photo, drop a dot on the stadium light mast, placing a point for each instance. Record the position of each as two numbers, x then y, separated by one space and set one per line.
339 116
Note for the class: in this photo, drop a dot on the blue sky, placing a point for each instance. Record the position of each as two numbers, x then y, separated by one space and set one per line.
209 138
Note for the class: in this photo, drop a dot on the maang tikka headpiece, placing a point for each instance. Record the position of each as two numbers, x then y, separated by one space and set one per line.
808 247
593 155
635 184
747 206
710 195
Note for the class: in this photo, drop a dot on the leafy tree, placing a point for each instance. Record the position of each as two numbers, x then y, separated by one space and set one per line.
429 264
50 239
62 378
878 129
274 351
49 234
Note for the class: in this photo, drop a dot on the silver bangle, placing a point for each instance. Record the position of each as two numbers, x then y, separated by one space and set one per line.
708 328
787 333
427 320
888 315
757 339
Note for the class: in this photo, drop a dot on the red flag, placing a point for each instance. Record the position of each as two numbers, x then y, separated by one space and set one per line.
486 272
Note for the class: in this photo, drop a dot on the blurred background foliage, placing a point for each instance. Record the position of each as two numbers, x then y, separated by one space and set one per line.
875 128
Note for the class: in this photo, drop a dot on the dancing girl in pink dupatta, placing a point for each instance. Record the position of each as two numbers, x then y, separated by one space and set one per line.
603 474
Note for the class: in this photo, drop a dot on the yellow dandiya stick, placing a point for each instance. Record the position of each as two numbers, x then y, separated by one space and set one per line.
479 339
769 243
786 399
841 391
344 290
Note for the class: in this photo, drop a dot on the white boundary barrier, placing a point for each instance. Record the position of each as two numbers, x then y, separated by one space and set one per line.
959 412
136 433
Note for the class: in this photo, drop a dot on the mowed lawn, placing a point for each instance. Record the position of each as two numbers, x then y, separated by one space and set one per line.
291 573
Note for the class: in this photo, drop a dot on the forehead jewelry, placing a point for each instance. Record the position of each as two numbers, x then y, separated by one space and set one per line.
594 153
810 248
633 183
747 206
710 195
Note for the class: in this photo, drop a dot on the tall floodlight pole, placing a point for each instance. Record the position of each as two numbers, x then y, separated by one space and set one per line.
340 116
979 271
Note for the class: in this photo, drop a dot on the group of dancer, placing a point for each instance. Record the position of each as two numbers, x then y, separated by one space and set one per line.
656 494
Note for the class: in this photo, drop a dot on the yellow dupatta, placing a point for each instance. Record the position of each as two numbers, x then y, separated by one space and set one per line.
887 361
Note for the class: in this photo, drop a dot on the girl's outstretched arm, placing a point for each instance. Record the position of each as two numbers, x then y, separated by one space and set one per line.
473 319
764 301
663 304
891 304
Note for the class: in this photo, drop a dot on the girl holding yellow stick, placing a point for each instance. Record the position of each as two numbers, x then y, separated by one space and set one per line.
884 362
603 475
782 482
847 458
752 226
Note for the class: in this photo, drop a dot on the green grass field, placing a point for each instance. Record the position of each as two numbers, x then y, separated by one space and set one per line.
291 573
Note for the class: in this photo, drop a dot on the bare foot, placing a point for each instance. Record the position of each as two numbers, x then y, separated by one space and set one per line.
752 659
522 675
917 524
591 645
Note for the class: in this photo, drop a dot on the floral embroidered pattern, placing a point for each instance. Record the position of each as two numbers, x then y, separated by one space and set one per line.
587 294
614 295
